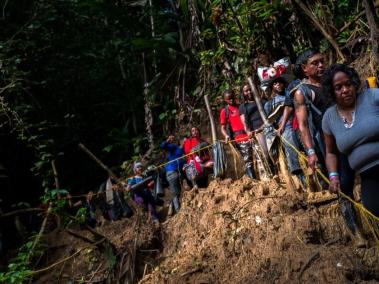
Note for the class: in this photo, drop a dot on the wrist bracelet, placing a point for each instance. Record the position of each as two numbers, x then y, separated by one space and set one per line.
334 177
311 151
333 174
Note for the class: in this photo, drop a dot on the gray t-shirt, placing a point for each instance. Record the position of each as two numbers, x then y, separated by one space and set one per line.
361 141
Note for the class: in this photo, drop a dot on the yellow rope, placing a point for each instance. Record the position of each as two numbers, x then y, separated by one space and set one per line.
164 164
371 220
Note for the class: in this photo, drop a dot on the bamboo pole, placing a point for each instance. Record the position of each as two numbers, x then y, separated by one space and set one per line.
257 99
211 119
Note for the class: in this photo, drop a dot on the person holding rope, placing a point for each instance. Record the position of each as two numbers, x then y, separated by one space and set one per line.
173 170
142 192
198 158
111 199
310 103
274 109
351 127
90 209
251 119
233 129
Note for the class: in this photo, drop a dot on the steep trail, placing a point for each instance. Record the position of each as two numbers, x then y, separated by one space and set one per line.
230 232
245 232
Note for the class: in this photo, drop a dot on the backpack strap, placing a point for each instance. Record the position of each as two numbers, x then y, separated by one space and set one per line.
307 93
229 129
227 113
228 125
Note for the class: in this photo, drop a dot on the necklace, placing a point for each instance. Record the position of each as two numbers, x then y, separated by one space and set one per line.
343 116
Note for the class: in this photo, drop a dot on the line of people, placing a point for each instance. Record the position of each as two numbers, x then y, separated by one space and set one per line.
324 113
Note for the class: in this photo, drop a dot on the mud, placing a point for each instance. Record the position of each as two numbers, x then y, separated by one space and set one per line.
230 232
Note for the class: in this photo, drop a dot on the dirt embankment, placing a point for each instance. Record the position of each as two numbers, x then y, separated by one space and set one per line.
231 232
244 232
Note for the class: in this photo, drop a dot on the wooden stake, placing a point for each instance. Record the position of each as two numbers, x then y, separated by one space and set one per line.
257 99
211 119
55 172
284 171
97 160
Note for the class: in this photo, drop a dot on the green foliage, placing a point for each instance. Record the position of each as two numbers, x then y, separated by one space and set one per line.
19 270
81 215
83 71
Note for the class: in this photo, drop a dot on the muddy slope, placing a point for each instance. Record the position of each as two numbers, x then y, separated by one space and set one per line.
230 232
244 232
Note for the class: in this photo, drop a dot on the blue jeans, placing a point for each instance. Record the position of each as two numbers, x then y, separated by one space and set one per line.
291 155
174 182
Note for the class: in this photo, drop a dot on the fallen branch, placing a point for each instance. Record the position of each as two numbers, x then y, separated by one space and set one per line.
313 257
354 20
16 212
41 231
96 271
196 269
55 172
79 236
97 160
322 29
64 259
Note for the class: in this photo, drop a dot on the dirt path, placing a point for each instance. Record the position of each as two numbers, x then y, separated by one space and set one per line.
231 232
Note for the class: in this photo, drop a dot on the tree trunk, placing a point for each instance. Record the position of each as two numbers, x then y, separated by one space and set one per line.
322 29
148 112
372 20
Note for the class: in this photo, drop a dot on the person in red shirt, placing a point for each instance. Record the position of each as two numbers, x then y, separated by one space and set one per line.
233 129
194 144
200 159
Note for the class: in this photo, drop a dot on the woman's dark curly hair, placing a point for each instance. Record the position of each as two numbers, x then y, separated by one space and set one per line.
302 59
327 78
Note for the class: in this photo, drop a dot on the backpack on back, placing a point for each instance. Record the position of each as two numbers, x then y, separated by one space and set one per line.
232 134
312 111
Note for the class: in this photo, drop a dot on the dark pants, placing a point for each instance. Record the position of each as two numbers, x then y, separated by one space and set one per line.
370 189
245 149
145 198
347 178
173 179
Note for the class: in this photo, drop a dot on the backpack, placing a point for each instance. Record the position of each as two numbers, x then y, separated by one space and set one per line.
315 132
232 134
193 170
